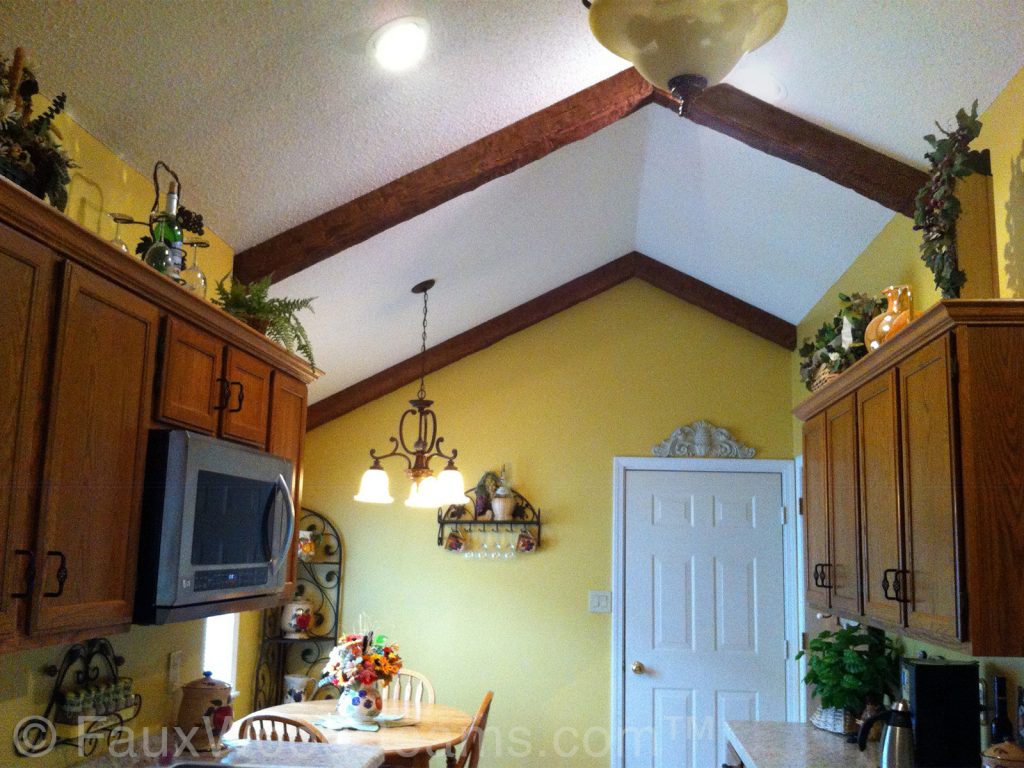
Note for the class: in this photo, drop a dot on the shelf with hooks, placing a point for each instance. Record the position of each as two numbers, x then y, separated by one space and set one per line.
456 524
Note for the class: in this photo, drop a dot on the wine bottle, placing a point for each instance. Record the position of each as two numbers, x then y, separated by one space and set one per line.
1001 729
165 227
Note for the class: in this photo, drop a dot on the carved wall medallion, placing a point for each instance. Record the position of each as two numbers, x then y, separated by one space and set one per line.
702 439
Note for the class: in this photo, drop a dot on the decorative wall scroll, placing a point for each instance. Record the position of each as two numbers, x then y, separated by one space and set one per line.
702 439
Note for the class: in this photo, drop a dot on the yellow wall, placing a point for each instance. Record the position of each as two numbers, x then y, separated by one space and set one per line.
612 376
101 184
893 258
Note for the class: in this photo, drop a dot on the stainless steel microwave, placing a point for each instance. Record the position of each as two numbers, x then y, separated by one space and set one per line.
218 520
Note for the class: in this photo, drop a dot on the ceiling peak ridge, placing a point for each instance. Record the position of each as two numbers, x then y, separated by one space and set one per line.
631 265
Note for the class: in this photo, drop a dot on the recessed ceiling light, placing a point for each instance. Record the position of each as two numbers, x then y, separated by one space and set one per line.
757 82
399 44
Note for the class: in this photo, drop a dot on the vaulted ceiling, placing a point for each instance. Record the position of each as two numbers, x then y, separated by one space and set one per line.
272 114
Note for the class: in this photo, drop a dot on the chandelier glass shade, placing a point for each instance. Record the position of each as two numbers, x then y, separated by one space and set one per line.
417 443
696 42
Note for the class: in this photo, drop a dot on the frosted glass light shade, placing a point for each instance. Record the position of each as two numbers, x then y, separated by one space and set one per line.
451 488
373 488
424 495
668 38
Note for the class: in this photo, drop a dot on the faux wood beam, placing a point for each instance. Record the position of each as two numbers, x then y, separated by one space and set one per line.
633 264
500 153
781 134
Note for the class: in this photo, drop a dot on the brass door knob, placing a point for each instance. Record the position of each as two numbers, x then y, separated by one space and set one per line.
638 668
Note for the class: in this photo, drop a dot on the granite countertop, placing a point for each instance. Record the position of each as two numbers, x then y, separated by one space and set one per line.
795 745
268 754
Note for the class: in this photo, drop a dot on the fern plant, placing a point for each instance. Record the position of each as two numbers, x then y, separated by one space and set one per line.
273 316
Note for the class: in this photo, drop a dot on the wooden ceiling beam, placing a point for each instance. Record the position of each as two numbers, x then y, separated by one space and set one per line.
767 128
498 154
634 264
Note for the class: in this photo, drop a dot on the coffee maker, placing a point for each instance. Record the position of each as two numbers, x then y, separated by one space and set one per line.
943 697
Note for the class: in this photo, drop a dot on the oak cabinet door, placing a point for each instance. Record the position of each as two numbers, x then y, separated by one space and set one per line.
929 489
27 277
95 456
841 444
248 401
287 435
190 382
881 558
816 525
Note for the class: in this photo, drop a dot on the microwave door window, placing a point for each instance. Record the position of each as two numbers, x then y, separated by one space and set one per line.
231 519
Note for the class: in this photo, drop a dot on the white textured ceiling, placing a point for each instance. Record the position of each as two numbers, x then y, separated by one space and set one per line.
272 113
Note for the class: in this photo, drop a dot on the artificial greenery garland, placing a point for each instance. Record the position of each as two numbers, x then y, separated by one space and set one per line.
829 347
937 206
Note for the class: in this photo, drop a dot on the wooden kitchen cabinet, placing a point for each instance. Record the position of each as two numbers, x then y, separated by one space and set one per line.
844 525
816 525
27 275
95 456
883 583
939 431
191 391
248 403
930 492
212 387
287 429
79 354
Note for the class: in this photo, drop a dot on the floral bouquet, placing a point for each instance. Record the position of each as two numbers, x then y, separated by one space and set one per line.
359 665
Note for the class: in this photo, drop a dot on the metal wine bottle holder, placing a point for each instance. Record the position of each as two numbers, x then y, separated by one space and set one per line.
90 663
319 581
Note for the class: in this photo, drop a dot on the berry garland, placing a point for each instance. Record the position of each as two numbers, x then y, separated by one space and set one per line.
937 206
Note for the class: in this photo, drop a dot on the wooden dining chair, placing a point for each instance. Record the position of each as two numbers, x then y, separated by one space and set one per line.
409 686
266 727
473 743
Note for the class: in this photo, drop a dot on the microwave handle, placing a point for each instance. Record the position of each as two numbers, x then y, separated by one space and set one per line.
282 487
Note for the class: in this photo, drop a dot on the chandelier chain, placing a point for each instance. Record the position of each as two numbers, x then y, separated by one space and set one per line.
423 351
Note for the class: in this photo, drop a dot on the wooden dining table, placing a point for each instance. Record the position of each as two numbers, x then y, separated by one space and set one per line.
423 731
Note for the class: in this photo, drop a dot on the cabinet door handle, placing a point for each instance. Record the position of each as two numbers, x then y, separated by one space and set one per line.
900 587
886 583
62 573
225 394
241 395
30 571
821 580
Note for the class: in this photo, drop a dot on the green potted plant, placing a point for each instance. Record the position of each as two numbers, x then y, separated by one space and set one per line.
30 153
839 343
275 317
850 668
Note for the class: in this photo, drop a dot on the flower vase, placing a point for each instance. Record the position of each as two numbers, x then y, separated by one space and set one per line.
895 318
360 703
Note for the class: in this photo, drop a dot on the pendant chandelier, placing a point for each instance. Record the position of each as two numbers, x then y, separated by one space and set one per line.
426 491
683 46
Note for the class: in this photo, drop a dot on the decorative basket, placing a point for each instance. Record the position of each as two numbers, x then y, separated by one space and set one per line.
834 720
822 377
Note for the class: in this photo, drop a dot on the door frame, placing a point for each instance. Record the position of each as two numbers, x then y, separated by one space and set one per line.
786 470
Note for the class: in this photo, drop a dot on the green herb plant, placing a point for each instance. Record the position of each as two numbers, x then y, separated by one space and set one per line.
936 207
829 348
852 665
276 317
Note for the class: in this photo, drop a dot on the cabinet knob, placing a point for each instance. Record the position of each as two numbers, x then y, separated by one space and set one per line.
638 667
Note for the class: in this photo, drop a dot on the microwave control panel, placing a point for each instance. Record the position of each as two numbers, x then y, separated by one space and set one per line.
226 578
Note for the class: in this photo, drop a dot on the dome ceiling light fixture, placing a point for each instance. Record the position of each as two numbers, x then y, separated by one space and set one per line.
400 44
682 46
426 491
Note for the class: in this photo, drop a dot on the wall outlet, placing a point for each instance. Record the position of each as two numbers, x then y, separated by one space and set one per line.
599 601
174 661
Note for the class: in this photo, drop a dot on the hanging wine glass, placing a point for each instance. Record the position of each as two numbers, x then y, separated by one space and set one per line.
119 219
194 278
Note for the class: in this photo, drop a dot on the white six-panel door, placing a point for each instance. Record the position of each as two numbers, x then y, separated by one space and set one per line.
703 611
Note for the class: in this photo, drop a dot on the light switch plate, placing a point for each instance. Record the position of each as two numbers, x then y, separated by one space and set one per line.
599 601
